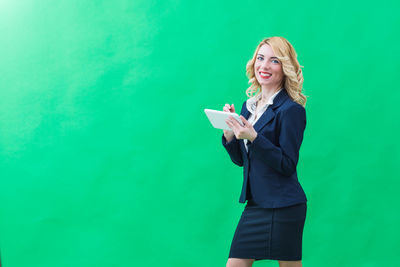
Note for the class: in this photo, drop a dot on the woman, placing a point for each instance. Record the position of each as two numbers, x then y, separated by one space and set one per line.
267 146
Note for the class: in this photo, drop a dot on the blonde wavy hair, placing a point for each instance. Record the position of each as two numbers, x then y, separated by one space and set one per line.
293 75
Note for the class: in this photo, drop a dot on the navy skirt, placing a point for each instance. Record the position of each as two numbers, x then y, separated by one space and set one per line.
269 233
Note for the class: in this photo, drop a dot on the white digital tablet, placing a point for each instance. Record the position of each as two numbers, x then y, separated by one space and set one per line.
217 118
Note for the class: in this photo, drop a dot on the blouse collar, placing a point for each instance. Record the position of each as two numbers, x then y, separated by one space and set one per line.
251 103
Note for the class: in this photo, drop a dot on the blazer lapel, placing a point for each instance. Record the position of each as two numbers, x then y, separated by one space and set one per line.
245 113
269 114
266 117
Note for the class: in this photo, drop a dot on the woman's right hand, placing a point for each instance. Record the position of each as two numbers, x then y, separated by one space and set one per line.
229 133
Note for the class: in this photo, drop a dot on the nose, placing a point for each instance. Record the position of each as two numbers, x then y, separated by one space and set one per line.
265 65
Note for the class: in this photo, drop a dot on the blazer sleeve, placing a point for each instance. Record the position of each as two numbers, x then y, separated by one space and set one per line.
283 158
233 147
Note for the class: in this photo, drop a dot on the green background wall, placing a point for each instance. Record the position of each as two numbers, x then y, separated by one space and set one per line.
107 158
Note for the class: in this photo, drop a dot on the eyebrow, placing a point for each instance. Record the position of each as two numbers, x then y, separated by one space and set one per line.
263 56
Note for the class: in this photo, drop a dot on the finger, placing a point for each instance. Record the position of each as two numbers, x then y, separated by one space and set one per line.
231 121
226 108
230 125
235 122
245 122
228 122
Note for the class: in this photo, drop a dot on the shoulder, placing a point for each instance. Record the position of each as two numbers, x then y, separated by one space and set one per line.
291 108
291 105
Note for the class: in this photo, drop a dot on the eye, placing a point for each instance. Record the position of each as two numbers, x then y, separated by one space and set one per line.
260 58
275 61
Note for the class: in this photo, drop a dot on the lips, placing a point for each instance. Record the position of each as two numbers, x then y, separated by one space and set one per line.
265 75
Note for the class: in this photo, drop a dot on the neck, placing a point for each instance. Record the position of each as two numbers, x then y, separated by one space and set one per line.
266 93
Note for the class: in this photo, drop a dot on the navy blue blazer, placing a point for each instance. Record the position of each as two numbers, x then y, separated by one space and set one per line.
269 167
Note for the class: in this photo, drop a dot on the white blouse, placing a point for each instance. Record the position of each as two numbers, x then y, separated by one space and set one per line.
251 105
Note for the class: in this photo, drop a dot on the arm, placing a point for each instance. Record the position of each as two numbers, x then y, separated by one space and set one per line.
283 158
233 146
233 149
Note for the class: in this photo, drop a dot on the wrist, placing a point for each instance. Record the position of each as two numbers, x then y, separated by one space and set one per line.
254 137
229 136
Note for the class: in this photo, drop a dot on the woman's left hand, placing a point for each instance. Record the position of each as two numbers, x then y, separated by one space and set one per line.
242 132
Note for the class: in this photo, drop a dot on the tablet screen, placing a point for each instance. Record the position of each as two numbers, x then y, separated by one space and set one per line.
217 118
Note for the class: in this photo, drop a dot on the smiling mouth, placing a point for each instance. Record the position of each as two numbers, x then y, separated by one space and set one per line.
265 75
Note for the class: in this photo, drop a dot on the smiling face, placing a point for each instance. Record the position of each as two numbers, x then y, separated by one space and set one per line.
268 69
